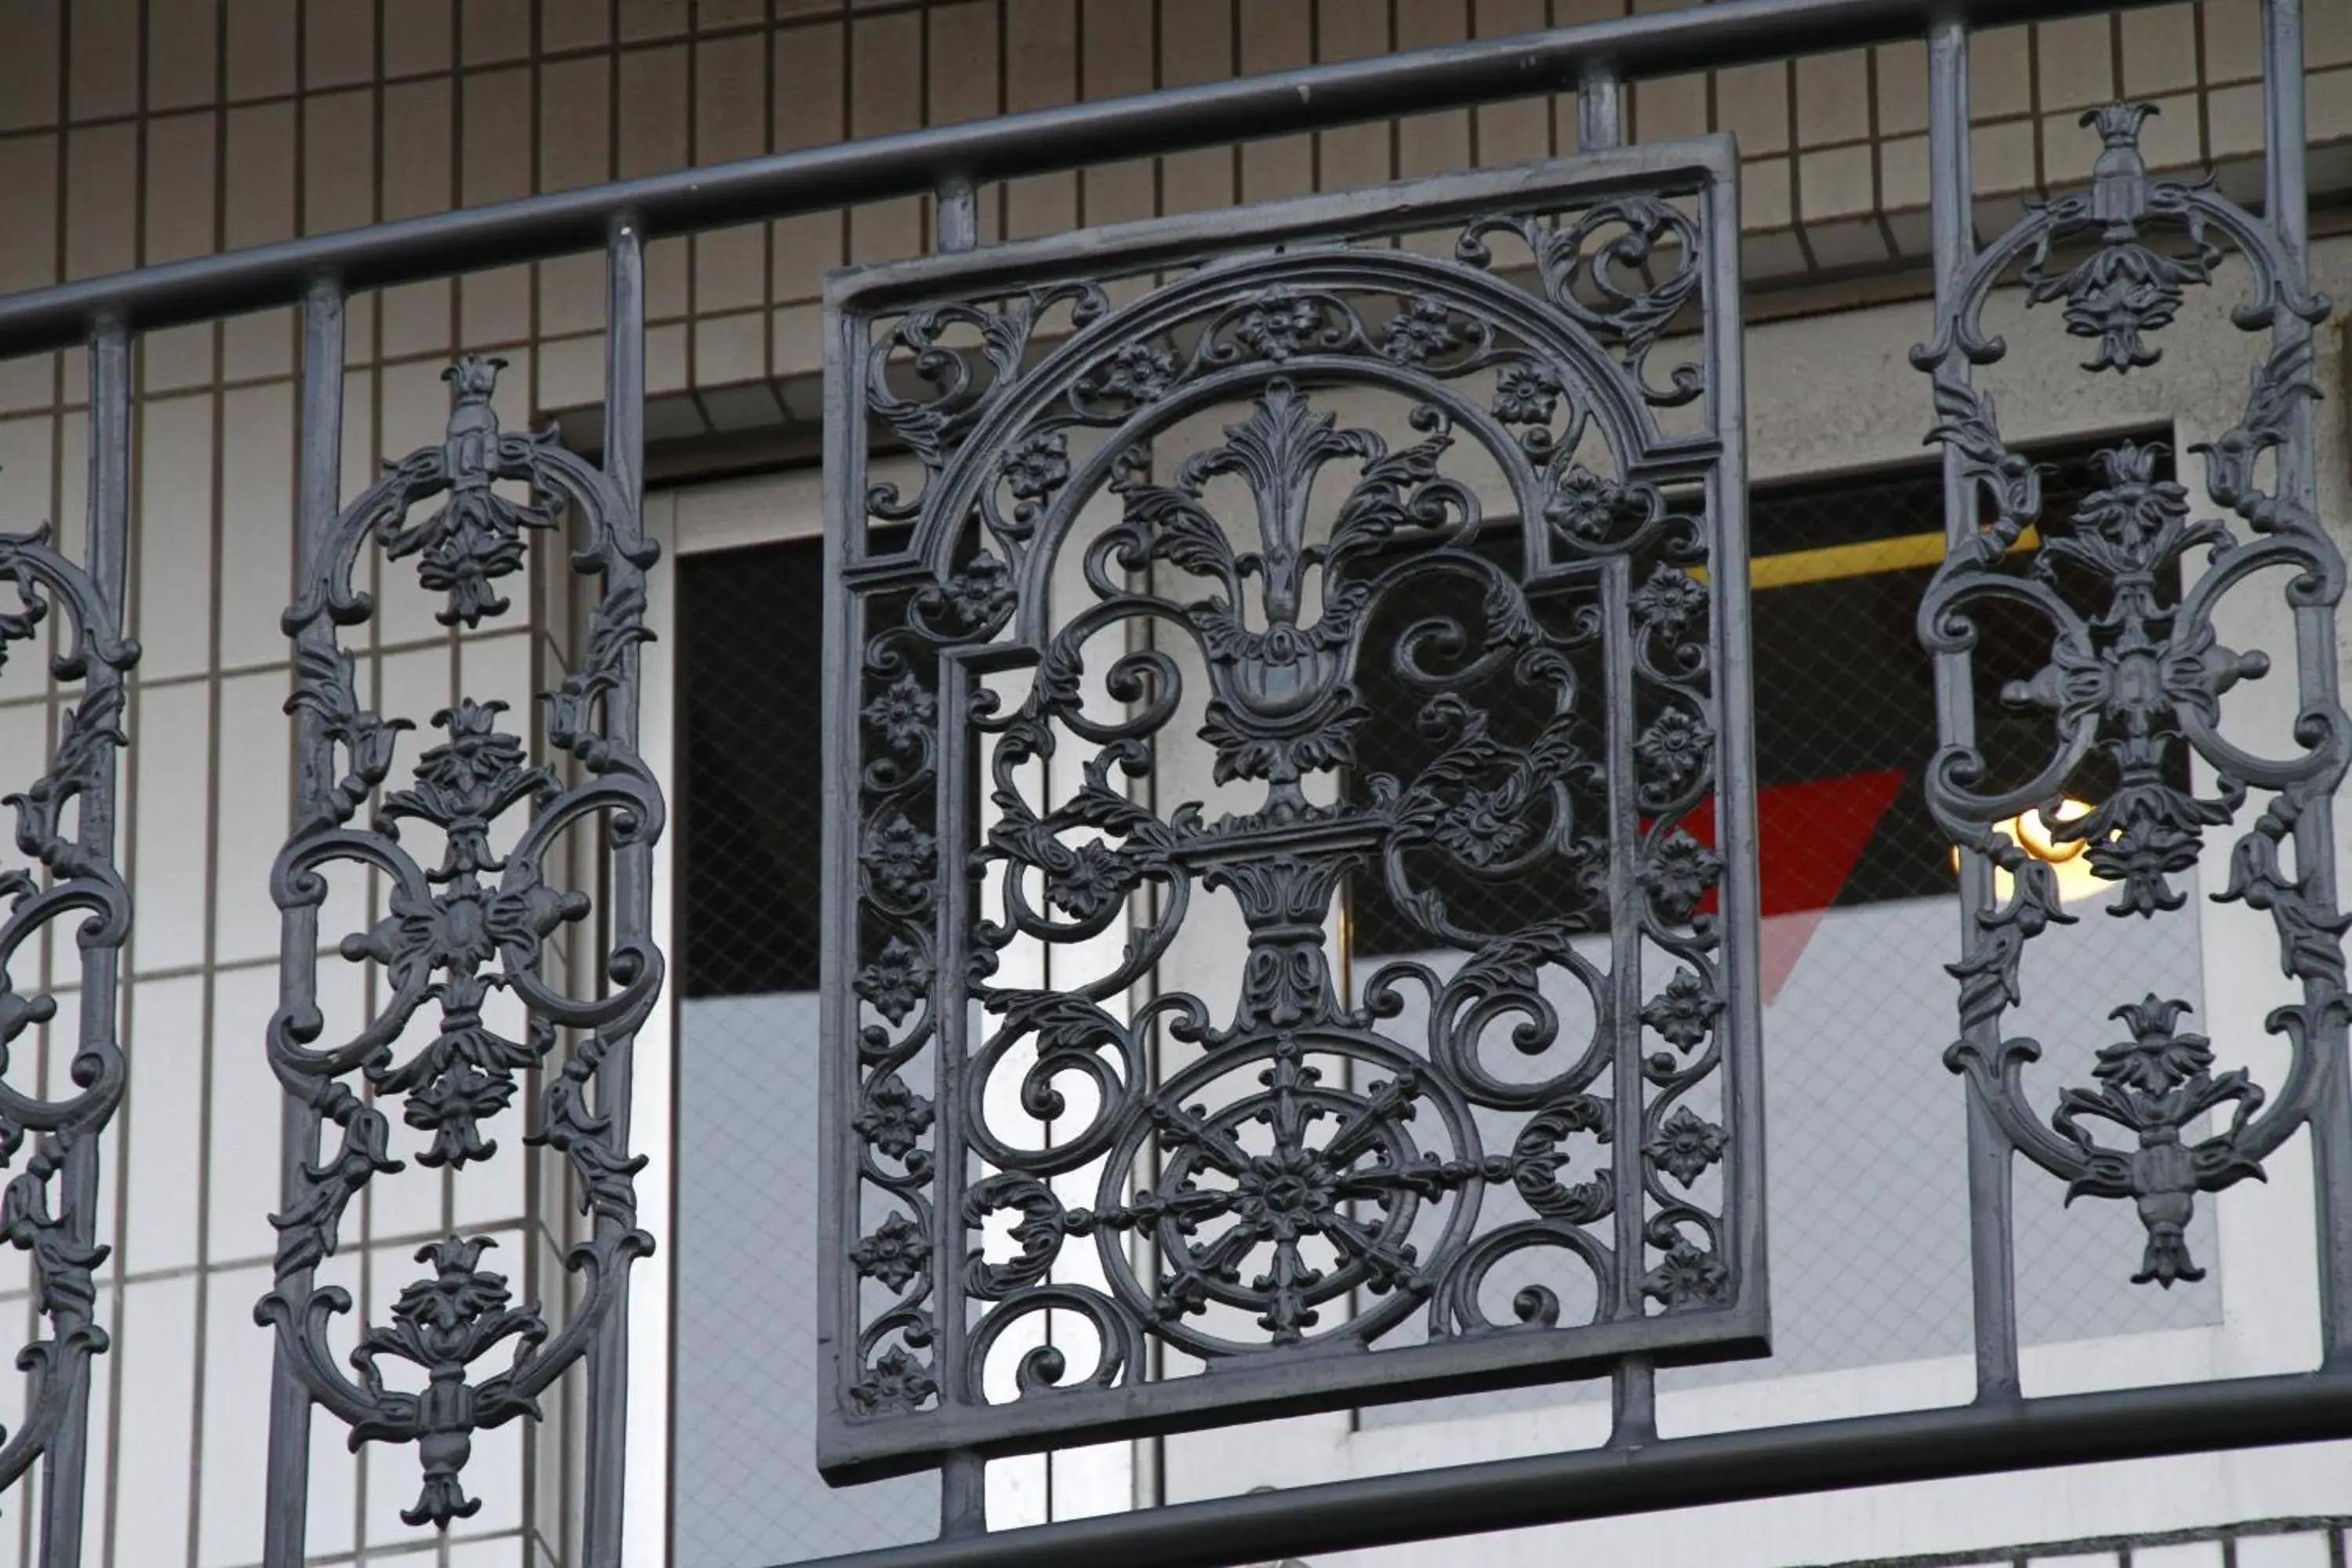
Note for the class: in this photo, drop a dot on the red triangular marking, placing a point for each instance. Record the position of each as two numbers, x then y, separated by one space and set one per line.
1813 834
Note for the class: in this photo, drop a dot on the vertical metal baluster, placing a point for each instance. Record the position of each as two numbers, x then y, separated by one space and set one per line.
1733 690
958 217
963 1477
286 1523
632 895
66 1464
2285 202
1633 1380
1599 119
1951 196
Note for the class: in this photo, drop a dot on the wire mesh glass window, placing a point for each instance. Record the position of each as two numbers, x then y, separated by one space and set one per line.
745 1488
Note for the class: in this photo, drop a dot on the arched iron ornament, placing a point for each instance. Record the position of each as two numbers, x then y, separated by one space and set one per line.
478 921
1280 1177
2133 682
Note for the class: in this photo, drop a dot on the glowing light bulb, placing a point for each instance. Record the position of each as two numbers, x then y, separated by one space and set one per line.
2036 834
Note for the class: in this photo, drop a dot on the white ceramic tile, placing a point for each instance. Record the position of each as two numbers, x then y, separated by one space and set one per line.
334 1509
2307 1549
163 1127
155 1357
103 1372
174 523
501 1551
247 1101
170 751
252 816
256 544
235 1428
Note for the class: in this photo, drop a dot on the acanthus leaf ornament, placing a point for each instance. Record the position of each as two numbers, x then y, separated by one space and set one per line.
2132 682
65 819
460 936
1294 1161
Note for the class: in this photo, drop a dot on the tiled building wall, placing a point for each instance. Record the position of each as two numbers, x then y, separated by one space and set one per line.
2269 1543
138 131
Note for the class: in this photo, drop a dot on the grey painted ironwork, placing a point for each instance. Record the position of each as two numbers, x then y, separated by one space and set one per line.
2147 243
2128 587
1284 1257
455 933
66 826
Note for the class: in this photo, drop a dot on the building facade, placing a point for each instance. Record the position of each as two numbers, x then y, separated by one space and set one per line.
134 132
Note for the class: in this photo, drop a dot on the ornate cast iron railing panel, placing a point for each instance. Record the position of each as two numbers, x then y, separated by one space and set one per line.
66 830
1276 1175
2131 591
477 916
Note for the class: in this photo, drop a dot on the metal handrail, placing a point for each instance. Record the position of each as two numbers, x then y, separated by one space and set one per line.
1048 140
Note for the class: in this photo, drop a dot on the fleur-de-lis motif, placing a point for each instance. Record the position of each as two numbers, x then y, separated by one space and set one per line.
476 536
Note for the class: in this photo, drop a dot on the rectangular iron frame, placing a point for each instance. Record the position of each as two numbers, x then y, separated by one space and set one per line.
1637 1471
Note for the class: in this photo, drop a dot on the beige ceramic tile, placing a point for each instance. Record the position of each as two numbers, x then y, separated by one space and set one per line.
495 30
102 200
28 240
259 188
2076 61
1832 98
2160 48
2233 39
730 98
652 92
574 120
260 50
417 130
338 42
2000 73
1752 103
419 38
1902 74
28 67
182 54
1838 182
575 24
180 150
102 69
655 18
339 171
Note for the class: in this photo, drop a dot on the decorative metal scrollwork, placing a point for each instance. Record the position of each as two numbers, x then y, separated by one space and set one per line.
453 933
2129 586
65 825
1047 1172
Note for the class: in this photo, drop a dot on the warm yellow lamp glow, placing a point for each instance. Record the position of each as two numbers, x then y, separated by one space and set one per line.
2032 833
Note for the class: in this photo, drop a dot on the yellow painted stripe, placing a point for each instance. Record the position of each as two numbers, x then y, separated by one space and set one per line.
1903 553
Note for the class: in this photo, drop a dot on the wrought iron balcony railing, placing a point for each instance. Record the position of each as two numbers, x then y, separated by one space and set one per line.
1278 1171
